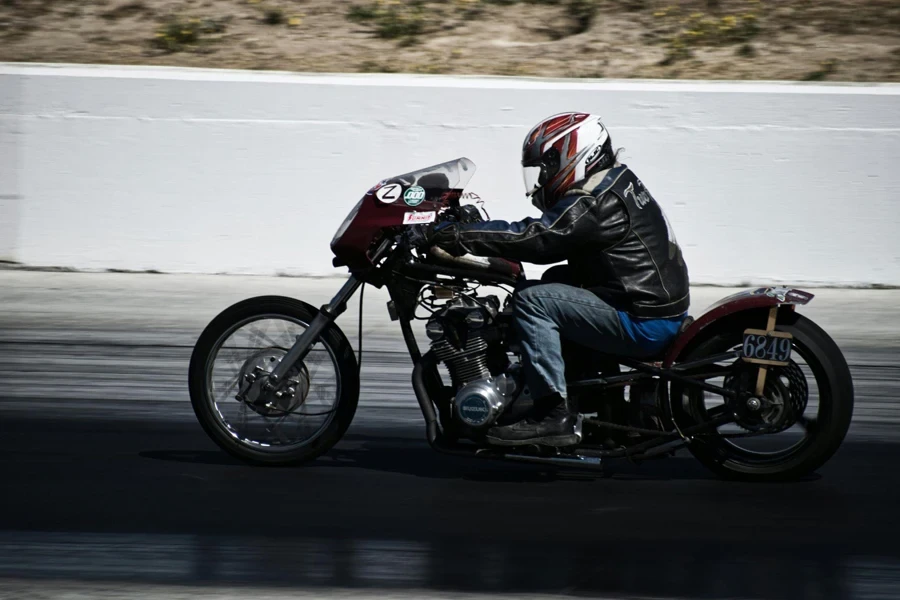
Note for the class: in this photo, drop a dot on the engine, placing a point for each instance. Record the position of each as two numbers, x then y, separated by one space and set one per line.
468 339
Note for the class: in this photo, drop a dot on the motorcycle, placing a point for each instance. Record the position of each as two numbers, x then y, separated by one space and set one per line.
751 388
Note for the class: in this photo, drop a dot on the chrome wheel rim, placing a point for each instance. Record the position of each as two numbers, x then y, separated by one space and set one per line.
294 425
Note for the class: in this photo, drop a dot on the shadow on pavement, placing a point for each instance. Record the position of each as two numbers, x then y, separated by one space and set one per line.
417 459
156 502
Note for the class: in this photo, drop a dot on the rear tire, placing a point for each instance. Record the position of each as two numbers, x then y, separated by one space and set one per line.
332 338
835 389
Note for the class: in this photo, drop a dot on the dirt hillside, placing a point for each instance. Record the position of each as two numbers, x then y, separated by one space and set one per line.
835 40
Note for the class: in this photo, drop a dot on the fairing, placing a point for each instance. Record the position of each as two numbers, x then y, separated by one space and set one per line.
741 301
411 198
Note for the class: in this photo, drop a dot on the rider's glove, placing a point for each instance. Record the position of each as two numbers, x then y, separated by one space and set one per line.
419 236
446 237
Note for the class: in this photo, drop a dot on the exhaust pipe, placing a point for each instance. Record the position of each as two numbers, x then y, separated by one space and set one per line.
432 430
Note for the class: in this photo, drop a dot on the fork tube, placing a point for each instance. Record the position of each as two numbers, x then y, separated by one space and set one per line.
327 315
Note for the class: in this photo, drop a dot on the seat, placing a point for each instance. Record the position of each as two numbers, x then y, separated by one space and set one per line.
574 353
662 353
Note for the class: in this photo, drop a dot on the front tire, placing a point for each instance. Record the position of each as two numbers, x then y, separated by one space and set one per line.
823 435
216 408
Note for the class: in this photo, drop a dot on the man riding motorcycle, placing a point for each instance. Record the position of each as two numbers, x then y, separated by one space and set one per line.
625 288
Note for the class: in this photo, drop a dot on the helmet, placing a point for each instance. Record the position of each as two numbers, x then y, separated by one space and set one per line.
560 151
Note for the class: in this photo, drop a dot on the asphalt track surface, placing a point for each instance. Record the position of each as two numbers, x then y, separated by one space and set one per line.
111 489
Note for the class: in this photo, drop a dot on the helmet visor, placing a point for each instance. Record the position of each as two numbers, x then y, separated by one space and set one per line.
533 179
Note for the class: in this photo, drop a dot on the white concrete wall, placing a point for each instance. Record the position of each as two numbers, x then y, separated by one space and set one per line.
11 139
246 172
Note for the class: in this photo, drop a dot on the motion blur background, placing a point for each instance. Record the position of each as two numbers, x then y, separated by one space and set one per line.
162 159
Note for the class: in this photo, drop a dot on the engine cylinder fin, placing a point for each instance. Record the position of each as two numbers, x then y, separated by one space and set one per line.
465 364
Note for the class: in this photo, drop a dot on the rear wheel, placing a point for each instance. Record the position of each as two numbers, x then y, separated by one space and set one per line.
248 340
806 406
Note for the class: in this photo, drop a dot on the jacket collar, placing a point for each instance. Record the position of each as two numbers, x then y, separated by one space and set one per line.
597 181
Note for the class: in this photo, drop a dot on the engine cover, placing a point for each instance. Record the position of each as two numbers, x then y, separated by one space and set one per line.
479 403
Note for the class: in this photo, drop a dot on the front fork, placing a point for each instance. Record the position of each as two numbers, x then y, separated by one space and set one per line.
263 386
327 315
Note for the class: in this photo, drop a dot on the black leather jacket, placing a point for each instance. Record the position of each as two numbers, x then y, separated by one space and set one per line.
615 237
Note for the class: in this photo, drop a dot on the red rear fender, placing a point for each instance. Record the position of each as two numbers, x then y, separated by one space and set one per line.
741 301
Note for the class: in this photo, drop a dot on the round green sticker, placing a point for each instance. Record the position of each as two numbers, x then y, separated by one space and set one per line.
414 196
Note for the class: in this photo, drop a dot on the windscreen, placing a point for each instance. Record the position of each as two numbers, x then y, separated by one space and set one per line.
451 175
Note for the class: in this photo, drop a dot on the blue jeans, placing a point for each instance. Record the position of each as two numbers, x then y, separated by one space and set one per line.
547 313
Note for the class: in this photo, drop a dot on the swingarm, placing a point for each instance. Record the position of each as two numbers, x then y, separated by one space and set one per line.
683 373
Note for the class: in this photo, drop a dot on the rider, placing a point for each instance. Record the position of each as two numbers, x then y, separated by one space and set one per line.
625 287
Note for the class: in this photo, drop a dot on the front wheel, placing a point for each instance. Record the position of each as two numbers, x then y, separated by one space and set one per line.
249 339
807 410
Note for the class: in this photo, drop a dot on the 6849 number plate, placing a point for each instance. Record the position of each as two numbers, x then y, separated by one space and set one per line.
766 347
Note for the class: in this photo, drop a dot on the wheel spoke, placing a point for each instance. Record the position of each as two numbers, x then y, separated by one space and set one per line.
231 385
257 335
316 363
289 337
243 415
234 356
811 426
279 433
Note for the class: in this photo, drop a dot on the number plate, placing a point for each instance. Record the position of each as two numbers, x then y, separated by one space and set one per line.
766 347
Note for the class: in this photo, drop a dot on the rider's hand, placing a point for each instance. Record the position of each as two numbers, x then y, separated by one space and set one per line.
446 237
419 236
443 235
469 213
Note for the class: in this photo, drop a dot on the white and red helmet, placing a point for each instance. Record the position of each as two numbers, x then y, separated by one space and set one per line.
560 151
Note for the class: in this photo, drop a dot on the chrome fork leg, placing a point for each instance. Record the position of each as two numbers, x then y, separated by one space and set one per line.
305 341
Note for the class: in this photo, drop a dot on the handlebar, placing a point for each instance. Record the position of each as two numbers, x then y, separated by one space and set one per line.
467 213
418 235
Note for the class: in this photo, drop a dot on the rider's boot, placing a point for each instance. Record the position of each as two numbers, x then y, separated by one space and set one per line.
551 424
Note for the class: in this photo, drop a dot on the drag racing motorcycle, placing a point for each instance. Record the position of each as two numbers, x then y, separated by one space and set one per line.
751 388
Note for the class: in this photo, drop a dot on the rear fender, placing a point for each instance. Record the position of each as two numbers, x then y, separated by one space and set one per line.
747 300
